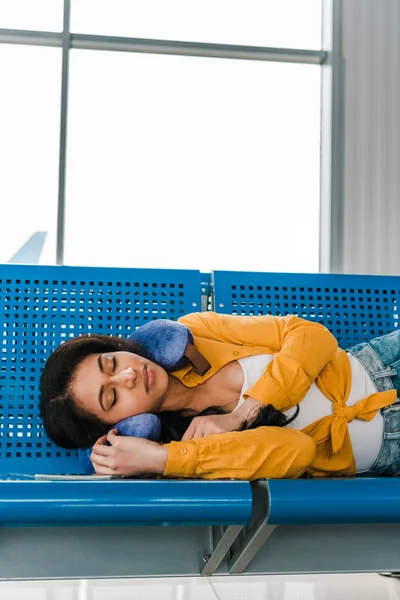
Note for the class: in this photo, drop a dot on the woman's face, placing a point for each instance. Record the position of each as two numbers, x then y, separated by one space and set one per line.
116 385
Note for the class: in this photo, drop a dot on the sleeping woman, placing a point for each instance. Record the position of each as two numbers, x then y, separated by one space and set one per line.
280 400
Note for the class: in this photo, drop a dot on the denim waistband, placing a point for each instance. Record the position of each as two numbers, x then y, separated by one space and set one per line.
388 460
380 374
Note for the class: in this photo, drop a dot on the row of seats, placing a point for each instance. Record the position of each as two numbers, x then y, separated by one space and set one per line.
177 502
43 306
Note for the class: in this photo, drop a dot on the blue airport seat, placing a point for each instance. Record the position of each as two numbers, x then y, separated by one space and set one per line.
130 502
215 526
333 501
355 308
40 307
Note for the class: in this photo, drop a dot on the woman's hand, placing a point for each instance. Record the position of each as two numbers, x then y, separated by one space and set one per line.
128 456
210 424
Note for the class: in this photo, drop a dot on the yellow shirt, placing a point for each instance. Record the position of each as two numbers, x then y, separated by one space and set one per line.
304 352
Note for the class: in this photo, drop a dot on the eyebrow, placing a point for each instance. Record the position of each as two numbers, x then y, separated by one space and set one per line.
102 387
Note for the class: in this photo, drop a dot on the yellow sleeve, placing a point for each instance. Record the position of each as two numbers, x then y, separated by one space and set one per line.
301 348
265 452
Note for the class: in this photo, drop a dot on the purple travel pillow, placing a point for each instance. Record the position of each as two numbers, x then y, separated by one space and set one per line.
170 344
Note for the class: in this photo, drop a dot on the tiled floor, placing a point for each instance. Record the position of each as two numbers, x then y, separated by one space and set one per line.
295 587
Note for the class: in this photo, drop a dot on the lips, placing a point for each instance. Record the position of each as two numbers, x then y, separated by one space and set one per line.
145 379
148 378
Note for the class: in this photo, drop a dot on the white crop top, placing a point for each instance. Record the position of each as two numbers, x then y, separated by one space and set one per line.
365 436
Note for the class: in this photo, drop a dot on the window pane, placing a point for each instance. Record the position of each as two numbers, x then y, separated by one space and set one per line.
183 162
40 15
276 23
29 147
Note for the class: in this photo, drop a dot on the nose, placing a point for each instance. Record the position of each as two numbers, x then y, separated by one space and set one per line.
126 377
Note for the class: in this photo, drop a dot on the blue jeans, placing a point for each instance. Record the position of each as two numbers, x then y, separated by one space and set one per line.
381 359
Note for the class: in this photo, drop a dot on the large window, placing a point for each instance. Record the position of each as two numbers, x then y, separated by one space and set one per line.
192 163
29 149
173 158
274 23
43 15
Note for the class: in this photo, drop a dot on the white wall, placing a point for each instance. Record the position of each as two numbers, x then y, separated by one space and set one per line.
370 47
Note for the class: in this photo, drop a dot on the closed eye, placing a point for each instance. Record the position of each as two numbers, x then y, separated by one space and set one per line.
114 361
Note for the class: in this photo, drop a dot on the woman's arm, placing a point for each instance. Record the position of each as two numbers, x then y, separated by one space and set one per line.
269 452
301 348
265 452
